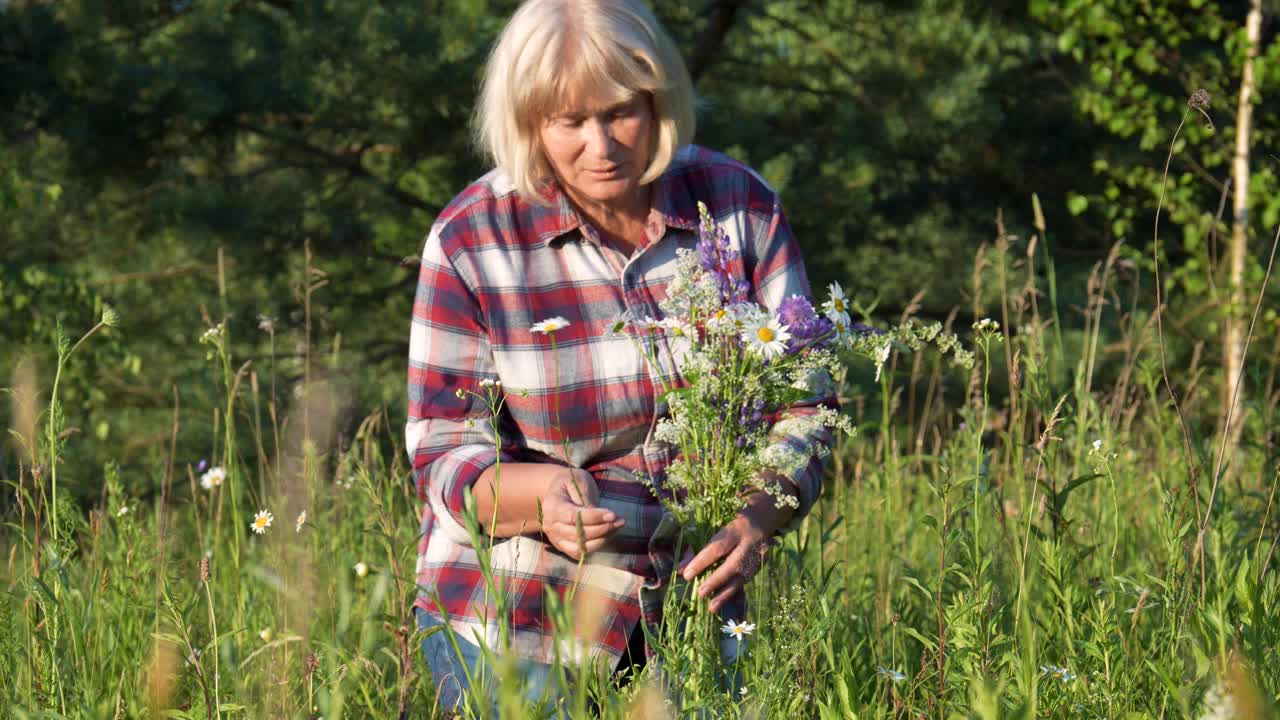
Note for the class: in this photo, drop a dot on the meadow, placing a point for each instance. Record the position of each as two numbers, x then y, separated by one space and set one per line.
1025 538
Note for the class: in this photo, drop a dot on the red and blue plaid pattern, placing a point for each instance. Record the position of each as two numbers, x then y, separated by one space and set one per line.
493 265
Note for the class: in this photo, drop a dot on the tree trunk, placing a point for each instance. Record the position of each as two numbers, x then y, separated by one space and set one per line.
1234 329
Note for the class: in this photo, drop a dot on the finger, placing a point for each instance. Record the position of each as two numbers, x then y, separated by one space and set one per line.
729 569
593 516
719 546
570 545
731 588
591 532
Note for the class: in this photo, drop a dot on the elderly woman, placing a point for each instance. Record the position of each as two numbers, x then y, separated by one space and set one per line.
586 111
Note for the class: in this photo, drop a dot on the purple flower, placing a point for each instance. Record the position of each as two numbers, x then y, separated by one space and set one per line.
715 252
202 465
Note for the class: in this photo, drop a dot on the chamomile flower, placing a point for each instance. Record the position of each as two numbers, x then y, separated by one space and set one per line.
838 304
302 520
677 327
550 325
212 478
261 522
648 323
767 337
738 630
361 569
722 320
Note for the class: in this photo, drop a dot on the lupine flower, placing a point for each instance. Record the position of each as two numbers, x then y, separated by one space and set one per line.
302 520
768 338
361 569
213 478
261 522
715 251
736 629
890 674
550 325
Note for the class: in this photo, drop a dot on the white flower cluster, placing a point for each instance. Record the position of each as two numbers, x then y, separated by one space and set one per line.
213 335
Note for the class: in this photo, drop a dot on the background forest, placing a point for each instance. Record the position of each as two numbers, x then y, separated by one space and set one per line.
277 163
146 142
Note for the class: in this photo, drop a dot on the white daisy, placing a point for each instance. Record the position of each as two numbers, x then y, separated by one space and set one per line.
722 320
767 337
361 569
302 520
261 522
737 630
550 325
648 323
212 478
838 304
677 327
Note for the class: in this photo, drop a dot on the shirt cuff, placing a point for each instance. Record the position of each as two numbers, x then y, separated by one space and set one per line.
447 479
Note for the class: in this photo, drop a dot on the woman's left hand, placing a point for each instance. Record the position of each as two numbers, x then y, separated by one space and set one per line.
741 546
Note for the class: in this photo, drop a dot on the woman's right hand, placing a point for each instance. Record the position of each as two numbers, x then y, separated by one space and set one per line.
571 519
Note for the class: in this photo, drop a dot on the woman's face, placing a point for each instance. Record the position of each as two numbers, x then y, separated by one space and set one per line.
599 149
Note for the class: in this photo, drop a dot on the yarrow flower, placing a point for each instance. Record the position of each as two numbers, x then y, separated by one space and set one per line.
490 383
302 520
361 569
550 325
212 335
261 522
736 629
891 674
213 478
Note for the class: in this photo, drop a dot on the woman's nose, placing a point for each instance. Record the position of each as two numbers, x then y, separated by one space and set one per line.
600 138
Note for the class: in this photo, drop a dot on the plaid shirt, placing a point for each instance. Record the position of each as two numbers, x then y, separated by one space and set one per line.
493 265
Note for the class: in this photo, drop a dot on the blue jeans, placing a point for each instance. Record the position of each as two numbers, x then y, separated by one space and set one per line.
449 672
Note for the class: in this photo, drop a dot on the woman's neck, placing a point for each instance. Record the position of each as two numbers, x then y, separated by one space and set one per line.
623 219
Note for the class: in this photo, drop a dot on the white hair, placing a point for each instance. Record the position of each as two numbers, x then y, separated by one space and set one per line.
554 50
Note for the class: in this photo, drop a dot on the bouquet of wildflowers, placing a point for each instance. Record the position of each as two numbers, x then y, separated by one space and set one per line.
741 364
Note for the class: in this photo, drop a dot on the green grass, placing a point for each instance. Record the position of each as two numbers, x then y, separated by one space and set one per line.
986 553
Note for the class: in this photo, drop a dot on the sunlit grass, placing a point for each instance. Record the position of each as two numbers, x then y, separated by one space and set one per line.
1030 557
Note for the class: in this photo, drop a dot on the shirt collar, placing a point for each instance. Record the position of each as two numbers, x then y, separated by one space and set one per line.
671 204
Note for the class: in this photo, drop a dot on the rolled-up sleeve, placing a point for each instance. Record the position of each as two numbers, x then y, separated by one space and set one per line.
449 437
778 271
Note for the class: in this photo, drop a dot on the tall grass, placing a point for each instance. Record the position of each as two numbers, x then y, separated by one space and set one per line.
1023 553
